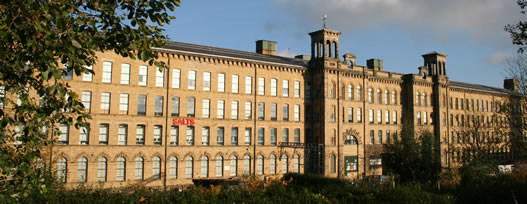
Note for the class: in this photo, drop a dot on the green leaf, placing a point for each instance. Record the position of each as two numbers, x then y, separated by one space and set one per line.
75 43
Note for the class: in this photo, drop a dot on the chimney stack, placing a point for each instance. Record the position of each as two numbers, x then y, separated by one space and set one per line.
266 47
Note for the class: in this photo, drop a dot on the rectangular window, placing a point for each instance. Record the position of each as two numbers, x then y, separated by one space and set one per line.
297 89
380 137
103 134
261 133
87 76
105 102
248 112
190 135
261 86
221 82
285 112
205 112
64 133
123 134
285 135
123 103
285 88
273 136
206 81
372 137
419 118
221 109
248 136
350 92
308 90
205 135
140 135
350 115
125 73
379 116
160 77
175 106
159 106
296 114
387 117
158 134
274 83
388 139
190 106
143 75
273 111
176 78
370 115
234 136
359 115
191 80
394 117
174 135
234 110
332 114
107 72
220 136
248 84
297 135
234 86
261 111
86 100
84 136
424 118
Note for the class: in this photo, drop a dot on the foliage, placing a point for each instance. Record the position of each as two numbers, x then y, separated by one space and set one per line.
518 32
414 158
293 188
41 42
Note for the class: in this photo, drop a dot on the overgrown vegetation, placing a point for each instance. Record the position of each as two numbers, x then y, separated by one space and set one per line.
43 43
296 188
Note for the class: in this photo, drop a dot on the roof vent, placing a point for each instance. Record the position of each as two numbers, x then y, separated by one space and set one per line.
266 47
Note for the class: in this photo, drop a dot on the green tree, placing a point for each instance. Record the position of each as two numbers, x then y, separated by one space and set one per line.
518 31
41 41
413 157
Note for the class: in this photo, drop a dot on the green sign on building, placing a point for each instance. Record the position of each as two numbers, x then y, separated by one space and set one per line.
351 164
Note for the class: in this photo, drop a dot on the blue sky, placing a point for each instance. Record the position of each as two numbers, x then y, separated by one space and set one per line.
396 31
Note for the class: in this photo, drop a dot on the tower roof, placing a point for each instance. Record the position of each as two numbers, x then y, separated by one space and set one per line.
434 53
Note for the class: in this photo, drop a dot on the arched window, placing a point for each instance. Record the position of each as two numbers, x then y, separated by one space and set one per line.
359 93
332 163
204 167
284 164
394 97
272 164
379 98
62 170
219 166
350 140
370 95
328 50
259 165
101 169
296 163
156 168
121 169
172 168
189 167
82 169
417 98
385 96
350 92
336 50
234 166
139 164
246 165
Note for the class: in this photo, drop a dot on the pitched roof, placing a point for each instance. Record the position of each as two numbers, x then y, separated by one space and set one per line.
478 87
244 55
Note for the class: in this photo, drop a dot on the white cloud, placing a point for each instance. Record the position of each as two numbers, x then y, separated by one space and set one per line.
286 53
498 57
483 19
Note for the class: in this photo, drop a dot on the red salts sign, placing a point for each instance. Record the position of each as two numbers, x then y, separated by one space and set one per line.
183 121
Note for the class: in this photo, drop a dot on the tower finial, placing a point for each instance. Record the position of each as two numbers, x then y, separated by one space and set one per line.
324 18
